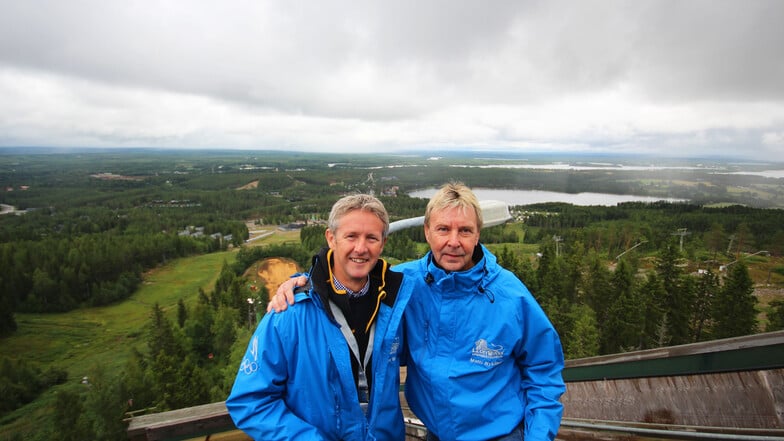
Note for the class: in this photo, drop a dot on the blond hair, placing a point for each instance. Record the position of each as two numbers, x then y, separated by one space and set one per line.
454 194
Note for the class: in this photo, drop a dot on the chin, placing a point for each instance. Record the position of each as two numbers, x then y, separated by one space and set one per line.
453 266
361 272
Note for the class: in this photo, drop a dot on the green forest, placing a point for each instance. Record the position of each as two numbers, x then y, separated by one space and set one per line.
85 230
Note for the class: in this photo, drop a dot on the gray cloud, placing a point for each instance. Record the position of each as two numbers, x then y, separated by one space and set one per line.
601 74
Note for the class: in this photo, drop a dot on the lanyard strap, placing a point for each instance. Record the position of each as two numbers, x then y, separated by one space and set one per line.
362 385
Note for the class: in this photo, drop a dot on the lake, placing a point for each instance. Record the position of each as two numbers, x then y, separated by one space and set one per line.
526 197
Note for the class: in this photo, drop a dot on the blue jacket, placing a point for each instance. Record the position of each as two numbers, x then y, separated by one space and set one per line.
482 356
296 380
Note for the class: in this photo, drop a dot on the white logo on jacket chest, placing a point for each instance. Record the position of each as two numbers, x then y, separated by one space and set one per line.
486 354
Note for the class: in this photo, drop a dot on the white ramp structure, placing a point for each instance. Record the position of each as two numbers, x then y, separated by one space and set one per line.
493 213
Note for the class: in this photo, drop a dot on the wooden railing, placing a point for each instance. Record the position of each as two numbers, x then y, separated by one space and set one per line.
191 422
212 421
732 383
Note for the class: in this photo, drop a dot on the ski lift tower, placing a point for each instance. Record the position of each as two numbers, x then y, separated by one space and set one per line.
681 232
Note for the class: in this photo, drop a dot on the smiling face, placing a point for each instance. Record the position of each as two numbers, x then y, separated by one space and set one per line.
356 244
453 233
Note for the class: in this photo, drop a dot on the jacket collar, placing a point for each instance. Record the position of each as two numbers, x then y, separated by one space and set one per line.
459 283
384 284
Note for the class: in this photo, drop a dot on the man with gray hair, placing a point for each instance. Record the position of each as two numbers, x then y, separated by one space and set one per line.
329 368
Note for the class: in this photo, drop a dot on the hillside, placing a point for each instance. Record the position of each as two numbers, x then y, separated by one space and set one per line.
79 340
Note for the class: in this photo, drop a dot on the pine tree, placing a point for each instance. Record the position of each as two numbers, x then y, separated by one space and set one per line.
677 302
599 296
224 331
165 373
624 325
104 406
7 319
744 238
161 338
547 274
182 313
574 269
715 239
775 316
508 260
69 423
776 245
527 274
706 290
136 384
197 329
651 296
583 340
166 354
734 312
598 289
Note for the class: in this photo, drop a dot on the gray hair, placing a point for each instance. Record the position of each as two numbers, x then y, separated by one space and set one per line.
364 202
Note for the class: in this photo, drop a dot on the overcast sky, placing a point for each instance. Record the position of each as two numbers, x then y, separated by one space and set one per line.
676 78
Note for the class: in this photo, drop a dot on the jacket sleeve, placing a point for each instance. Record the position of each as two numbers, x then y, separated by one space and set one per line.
256 402
541 363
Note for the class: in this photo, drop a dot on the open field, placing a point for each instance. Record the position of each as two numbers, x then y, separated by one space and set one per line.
269 235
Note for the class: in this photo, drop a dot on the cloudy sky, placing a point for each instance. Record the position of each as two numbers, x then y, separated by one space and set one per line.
675 78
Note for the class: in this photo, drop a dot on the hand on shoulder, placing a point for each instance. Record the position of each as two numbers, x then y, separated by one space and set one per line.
284 296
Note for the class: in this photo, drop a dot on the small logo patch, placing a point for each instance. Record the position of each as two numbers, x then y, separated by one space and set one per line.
394 348
249 366
486 354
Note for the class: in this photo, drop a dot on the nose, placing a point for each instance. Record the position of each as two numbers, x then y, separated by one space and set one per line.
453 239
360 245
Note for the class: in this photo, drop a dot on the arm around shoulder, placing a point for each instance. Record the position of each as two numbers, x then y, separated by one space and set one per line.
284 295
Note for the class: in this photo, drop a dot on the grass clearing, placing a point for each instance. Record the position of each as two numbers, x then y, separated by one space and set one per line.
272 235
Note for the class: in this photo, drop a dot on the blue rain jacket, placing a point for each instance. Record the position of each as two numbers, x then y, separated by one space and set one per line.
296 380
482 356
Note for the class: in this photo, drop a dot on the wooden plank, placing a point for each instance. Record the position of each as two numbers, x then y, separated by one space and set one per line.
181 423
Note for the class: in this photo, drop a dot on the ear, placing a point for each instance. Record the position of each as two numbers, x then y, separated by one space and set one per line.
330 238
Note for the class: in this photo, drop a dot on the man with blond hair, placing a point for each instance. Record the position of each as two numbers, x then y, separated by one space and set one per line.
484 362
